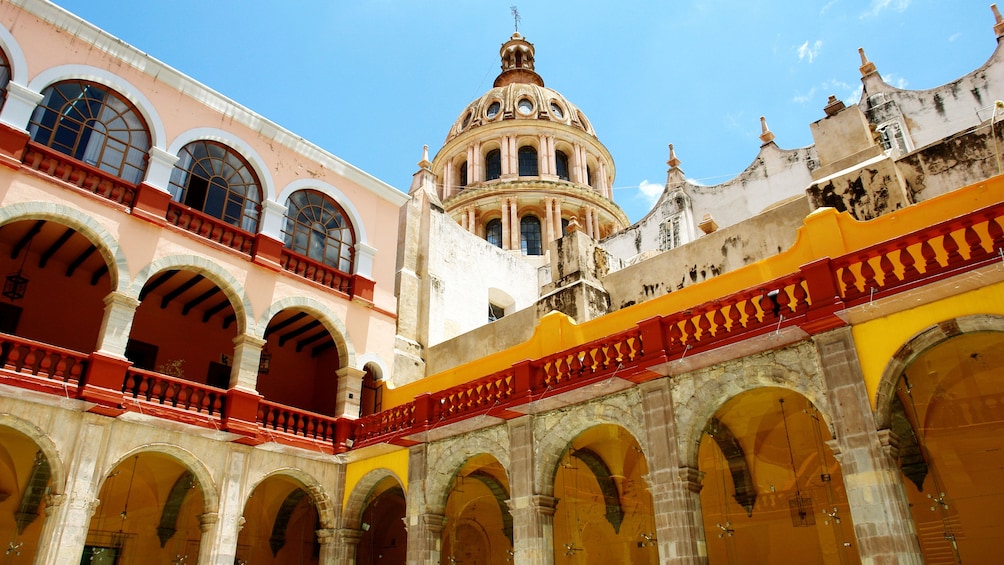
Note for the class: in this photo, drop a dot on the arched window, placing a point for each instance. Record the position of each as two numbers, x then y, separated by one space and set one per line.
561 164
564 227
215 180
528 161
93 125
316 226
4 76
529 231
493 232
463 174
589 176
493 164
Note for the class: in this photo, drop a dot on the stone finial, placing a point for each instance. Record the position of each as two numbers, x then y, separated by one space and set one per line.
867 67
998 21
425 163
708 224
673 161
573 225
765 134
833 106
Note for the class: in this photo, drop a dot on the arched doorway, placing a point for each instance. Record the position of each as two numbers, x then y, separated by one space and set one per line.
948 414
604 512
772 491
303 363
25 474
281 524
478 527
148 511
384 538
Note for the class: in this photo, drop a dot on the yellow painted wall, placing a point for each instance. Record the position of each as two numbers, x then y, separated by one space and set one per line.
395 461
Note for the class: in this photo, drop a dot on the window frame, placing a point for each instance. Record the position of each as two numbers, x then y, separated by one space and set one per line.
343 258
523 157
215 170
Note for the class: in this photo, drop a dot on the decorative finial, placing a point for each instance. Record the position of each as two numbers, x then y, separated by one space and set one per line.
673 161
998 21
425 163
867 67
515 16
833 106
765 135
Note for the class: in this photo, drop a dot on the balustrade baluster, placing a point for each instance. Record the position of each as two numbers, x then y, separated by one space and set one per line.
888 269
996 233
801 296
718 317
704 323
867 274
689 330
952 249
906 259
976 250
750 310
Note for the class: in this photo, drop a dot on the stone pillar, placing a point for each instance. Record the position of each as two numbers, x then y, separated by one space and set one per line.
515 231
544 166
477 162
557 218
506 238
247 356
588 213
159 168
470 165
116 324
675 488
513 157
328 539
504 157
19 105
207 524
548 221
350 387
345 544
425 527
532 514
448 180
219 538
603 184
66 524
882 523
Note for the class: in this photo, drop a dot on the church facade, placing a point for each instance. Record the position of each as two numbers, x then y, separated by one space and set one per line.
209 355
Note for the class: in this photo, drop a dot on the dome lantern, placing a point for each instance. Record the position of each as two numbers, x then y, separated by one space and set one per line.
517 63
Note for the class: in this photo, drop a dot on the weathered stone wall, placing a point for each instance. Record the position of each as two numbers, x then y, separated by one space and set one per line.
944 166
725 250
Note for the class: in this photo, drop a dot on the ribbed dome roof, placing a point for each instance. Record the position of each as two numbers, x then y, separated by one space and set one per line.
519 101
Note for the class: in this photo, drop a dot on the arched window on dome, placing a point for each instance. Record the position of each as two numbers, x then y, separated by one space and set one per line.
493 232
94 125
463 175
589 175
493 164
529 232
528 161
217 181
4 76
317 227
561 164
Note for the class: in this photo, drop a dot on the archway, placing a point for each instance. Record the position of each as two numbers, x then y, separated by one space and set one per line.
948 414
300 362
25 475
384 537
281 523
478 525
604 512
772 490
149 511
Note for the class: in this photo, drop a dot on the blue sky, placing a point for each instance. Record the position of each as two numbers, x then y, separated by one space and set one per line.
373 80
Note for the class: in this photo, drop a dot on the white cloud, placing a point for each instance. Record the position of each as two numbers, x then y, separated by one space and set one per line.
649 192
827 6
879 6
806 51
953 37
800 98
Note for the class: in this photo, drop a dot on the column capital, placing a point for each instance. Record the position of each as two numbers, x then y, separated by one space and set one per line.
121 299
248 340
350 372
346 535
328 535
692 478
207 521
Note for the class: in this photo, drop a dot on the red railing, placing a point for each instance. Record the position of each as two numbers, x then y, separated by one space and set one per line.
314 271
55 164
275 417
29 357
156 388
210 228
383 425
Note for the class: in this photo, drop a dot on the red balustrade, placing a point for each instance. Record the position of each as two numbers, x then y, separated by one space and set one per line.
210 228
156 388
587 362
28 357
275 417
477 396
63 167
319 273
382 425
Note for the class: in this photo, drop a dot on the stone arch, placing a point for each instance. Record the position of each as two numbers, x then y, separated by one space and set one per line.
134 95
697 396
356 503
376 363
107 245
553 437
331 322
237 144
15 56
326 511
449 456
57 478
916 346
230 286
187 459
338 196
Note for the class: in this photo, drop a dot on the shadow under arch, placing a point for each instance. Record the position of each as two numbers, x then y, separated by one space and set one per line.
356 503
331 322
106 244
57 469
185 458
916 346
326 510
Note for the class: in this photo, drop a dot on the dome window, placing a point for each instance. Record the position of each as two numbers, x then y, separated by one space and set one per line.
467 121
493 232
493 110
561 164
530 240
525 106
527 157
556 111
493 165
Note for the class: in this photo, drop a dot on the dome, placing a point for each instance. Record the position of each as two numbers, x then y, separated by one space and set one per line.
520 101
519 94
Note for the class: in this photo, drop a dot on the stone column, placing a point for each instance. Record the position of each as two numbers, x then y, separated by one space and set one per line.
588 213
116 324
505 223
247 356
544 166
207 523
513 157
548 221
532 514
448 180
477 162
470 165
19 105
504 157
557 218
350 387
603 184
882 523
346 542
328 539
66 524
425 527
514 232
675 488
219 537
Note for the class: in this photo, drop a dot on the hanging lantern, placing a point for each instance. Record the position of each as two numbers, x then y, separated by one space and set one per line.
265 362
14 286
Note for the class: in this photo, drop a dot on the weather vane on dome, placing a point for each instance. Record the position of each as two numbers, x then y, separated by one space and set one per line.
515 16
